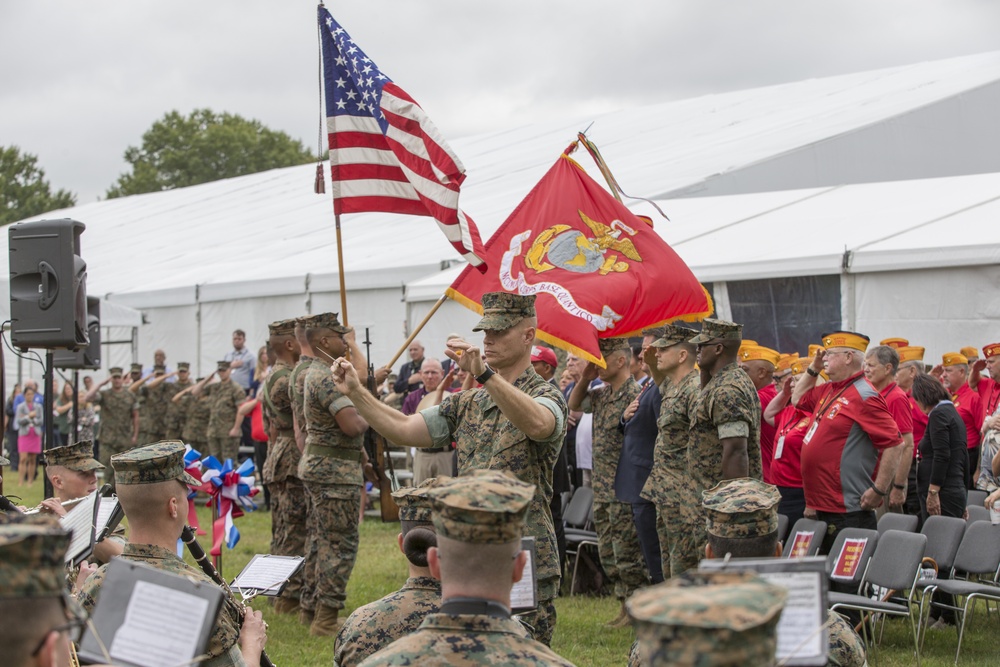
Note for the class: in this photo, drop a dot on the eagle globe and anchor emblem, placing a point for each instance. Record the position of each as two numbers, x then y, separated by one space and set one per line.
562 246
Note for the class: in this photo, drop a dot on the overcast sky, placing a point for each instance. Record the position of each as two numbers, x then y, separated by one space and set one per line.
81 81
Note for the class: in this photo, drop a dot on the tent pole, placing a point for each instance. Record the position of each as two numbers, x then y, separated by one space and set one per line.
340 269
414 333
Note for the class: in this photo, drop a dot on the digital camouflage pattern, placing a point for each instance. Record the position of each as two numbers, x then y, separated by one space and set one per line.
330 467
414 502
78 456
117 407
377 624
744 507
32 552
502 310
282 453
680 528
466 640
846 648
176 412
155 406
708 619
159 462
329 321
480 507
487 440
297 389
670 335
290 525
197 411
608 406
712 329
728 406
224 400
223 646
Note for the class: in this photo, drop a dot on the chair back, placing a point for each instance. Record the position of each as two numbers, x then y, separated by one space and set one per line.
805 539
977 497
848 558
782 526
979 552
896 560
579 507
978 513
893 521
944 534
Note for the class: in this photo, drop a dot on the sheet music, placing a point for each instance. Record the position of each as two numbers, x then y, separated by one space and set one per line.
141 639
799 628
522 595
79 520
104 510
265 573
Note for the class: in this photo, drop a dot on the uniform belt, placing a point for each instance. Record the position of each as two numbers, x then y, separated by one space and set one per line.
433 450
287 432
330 451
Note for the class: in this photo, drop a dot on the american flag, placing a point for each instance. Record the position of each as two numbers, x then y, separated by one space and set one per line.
385 153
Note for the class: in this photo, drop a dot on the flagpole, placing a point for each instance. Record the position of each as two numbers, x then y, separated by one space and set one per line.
340 270
413 335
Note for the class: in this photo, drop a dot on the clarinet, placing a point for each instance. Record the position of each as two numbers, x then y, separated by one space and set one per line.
187 535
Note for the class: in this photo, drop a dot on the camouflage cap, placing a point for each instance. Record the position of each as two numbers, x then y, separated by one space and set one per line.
502 310
281 328
183 366
655 332
159 462
222 365
306 321
718 330
78 456
708 619
485 507
32 557
136 368
4 461
328 321
741 507
612 345
672 335
414 501
115 371
159 368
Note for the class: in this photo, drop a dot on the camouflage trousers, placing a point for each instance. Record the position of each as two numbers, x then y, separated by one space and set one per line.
618 547
332 546
289 525
681 528
108 449
224 448
541 623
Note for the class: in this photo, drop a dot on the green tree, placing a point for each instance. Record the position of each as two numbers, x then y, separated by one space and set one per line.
24 192
204 146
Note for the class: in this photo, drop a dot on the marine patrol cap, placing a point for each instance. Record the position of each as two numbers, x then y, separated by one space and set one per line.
612 345
415 502
712 329
159 368
708 619
32 557
849 339
741 507
183 366
222 365
159 462
328 321
953 359
672 335
136 368
115 371
78 456
502 310
281 328
655 332
486 507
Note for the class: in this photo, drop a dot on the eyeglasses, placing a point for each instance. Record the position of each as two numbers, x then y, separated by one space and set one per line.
73 627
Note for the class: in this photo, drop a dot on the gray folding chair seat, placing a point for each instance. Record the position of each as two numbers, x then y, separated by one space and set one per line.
782 526
815 531
894 566
978 513
977 497
892 521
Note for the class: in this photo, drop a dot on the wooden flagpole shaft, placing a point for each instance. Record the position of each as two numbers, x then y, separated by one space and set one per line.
413 335
340 269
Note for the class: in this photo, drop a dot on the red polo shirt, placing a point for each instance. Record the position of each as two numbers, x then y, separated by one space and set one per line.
766 395
919 423
989 398
786 466
850 425
967 403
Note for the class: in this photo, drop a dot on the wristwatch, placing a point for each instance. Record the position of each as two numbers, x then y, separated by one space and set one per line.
900 487
486 375
811 372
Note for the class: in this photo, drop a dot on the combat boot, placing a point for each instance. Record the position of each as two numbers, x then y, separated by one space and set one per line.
325 622
287 606
306 616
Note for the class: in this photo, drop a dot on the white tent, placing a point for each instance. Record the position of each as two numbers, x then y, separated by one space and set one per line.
238 253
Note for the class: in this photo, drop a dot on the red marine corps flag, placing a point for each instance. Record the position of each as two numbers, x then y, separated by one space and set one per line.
598 270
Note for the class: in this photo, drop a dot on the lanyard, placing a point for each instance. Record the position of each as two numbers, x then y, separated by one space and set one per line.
818 414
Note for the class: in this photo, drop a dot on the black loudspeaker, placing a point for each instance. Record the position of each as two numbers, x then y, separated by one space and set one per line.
86 358
48 285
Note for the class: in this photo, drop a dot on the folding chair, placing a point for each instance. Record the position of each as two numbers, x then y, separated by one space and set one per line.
978 513
850 554
578 519
976 497
892 521
944 535
805 539
894 566
978 554
782 527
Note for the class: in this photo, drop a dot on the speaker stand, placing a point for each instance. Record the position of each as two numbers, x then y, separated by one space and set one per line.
49 403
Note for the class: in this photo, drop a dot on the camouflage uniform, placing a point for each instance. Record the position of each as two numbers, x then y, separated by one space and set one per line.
197 410
155 402
225 399
117 408
679 523
160 462
176 412
483 507
223 647
487 440
296 393
288 502
708 619
617 540
330 467
378 624
846 648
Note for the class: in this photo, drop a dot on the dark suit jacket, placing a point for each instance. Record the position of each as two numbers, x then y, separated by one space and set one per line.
636 460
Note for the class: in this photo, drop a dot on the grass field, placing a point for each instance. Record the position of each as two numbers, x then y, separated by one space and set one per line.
580 635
